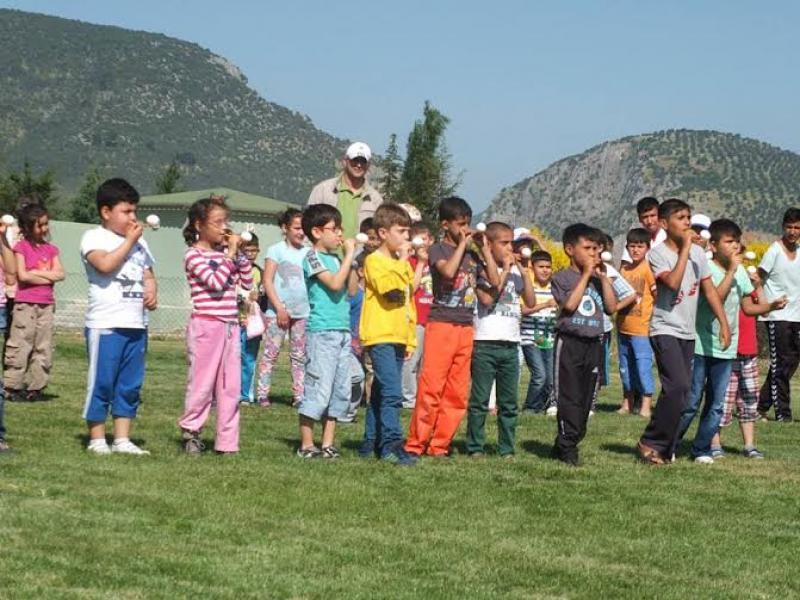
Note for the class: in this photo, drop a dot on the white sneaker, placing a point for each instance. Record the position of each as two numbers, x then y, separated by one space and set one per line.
591 413
551 411
128 447
98 447
704 460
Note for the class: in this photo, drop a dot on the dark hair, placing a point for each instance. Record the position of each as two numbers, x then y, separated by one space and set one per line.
319 215
389 214
576 231
722 227
113 191
541 256
669 207
792 215
418 227
645 204
253 240
289 215
495 227
453 207
366 225
27 216
638 235
199 211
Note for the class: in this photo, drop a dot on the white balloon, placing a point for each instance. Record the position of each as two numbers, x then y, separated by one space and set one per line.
752 270
526 252
750 255
8 220
246 236
417 242
606 256
480 227
153 221
705 234
362 238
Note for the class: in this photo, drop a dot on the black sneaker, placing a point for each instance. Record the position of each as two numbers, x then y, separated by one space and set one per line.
329 452
15 395
34 396
367 449
310 452
784 419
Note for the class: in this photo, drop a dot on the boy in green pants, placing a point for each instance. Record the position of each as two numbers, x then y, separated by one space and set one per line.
495 355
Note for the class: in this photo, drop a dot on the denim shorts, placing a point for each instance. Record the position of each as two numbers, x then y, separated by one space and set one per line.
328 375
3 318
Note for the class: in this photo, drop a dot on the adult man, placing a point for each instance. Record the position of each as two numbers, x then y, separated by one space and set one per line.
647 211
350 192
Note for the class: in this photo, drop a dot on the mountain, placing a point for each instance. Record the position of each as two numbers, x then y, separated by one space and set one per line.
75 95
720 174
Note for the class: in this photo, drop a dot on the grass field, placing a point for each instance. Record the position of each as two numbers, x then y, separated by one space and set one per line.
265 524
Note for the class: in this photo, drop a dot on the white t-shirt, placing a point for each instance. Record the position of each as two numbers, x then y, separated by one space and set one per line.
501 320
116 300
783 279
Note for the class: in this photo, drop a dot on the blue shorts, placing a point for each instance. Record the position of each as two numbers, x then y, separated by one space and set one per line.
328 375
116 372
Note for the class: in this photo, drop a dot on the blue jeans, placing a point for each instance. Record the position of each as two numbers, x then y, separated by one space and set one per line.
540 387
636 363
710 375
249 356
382 424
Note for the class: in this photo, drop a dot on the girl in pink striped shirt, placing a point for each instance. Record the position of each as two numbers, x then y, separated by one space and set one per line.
214 266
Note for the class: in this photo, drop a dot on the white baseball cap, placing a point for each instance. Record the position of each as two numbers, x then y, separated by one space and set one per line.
701 220
522 233
358 150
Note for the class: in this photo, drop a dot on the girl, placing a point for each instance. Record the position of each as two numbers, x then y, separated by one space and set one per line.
29 351
287 308
214 266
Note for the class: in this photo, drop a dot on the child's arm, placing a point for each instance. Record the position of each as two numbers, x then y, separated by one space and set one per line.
7 257
751 309
268 283
150 297
57 272
388 279
715 304
530 310
725 285
419 268
672 279
492 272
352 281
528 294
576 295
199 269
610 304
449 268
108 262
31 277
335 282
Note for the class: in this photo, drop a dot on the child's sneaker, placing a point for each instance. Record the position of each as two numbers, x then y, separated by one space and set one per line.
128 447
4 447
98 446
264 402
703 459
192 444
717 452
367 449
551 411
330 452
752 453
310 452
399 457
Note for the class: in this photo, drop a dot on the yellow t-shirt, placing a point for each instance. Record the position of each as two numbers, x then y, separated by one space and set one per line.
388 315
635 320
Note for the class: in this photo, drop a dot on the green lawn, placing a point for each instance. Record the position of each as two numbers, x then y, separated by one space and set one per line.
265 524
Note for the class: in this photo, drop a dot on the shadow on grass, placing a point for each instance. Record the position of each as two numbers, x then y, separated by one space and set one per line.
620 449
537 448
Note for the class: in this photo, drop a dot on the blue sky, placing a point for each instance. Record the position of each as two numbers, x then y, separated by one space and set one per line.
524 83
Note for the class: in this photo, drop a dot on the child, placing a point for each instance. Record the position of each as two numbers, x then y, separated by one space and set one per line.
214 267
583 292
743 386
680 267
780 271
29 351
388 333
711 370
246 298
287 310
326 395
369 229
423 296
455 263
538 336
633 327
8 269
119 267
496 348
647 212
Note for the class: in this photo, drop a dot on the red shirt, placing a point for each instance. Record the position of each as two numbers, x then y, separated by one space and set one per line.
423 297
748 342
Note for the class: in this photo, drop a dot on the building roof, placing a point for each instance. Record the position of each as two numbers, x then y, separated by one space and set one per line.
240 202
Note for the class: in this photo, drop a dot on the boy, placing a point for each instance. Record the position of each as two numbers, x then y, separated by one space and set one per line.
711 370
680 267
584 294
537 335
780 272
647 211
119 267
633 327
444 380
742 389
388 333
423 296
249 350
8 268
495 354
326 394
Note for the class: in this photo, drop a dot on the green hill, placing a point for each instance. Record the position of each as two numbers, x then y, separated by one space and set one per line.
721 174
74 94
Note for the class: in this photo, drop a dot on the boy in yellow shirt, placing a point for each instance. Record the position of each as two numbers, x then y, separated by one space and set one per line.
388 333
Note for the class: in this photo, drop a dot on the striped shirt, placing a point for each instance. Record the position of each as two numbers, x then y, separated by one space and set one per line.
213 278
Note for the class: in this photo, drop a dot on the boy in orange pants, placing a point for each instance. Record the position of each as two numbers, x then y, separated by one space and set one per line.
445 375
